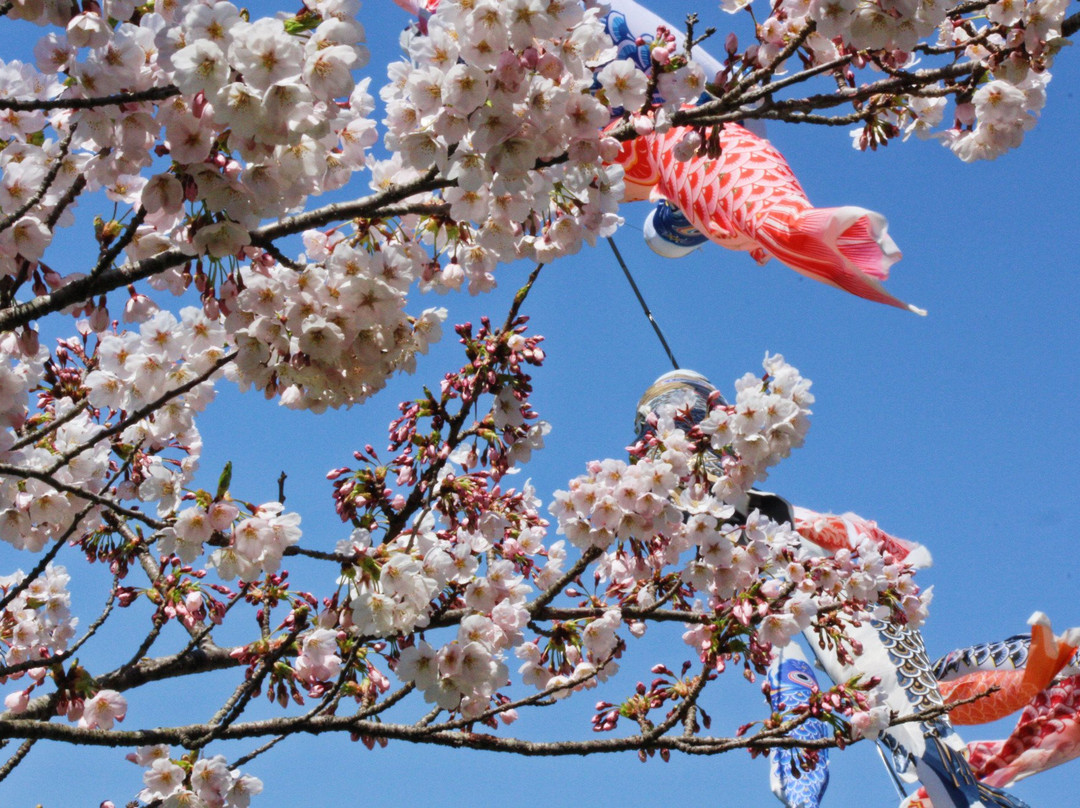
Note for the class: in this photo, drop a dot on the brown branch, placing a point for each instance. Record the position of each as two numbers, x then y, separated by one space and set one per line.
1071 24
254 753
368 207
455 616
720 111
63 202
86 287
105 502
322 555
966 8
776 85
35 104
82 289
820 120
185 735
201 660
238 700
552 591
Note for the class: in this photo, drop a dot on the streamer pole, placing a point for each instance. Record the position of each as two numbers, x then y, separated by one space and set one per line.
892 774
644 305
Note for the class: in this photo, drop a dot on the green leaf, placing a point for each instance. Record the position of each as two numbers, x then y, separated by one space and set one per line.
224 480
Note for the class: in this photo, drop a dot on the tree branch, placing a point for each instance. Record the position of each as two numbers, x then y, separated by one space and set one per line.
105 502
36 104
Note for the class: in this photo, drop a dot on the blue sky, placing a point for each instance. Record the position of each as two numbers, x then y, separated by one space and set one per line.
955 430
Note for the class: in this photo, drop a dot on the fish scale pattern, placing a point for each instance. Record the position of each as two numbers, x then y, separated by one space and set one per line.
908 654
1047 734
1011 652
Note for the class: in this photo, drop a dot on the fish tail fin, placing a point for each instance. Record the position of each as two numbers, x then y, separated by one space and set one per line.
1047 654
848 247
950 781
997 798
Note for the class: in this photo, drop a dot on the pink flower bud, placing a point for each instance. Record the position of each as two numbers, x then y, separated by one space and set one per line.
17 701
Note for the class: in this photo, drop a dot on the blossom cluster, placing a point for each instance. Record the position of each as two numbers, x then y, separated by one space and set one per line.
617 501
686 495
768 577
580 656
732 445
255 117
1015 41
770 417
998 115
203 782
37 623
35 511
393 588
491 90
256 543
268 88
330 334
31 510
136 369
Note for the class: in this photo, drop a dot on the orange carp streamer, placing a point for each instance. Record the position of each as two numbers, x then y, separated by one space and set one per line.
749 199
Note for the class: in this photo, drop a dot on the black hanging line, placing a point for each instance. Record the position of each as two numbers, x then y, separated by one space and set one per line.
644 305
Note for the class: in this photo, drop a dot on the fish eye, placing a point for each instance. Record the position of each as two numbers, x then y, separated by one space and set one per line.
801 678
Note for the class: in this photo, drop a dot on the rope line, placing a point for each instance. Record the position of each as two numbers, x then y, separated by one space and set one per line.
644 305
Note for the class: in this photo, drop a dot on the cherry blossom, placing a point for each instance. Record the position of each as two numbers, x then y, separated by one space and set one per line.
194 144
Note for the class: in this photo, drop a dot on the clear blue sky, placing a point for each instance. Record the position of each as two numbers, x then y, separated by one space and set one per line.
955 430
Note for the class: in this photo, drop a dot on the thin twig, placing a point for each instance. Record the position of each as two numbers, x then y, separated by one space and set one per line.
679 714
51 426
143 412
17 758
46 183
734 95
70 652
109 256
64 201
237 702
540 603
254 753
